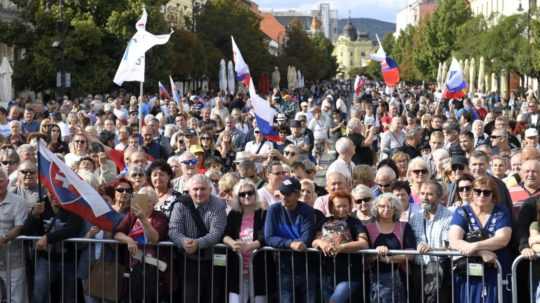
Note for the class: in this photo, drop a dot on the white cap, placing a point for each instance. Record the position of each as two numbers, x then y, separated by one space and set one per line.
281 117
531 132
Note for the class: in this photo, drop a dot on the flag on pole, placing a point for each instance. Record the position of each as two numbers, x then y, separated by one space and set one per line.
264 114
359 83
73 194
174 91
455 85
240 66
163 93
131 67
389 67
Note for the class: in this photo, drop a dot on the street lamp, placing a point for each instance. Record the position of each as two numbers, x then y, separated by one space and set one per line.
195 9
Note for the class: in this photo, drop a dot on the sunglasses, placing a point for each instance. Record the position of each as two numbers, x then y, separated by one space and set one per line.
420 171
205 138
365 200
457 167
191 162
8 162
246 194
124 190
80 141
483 192
495 137
27 172
463 189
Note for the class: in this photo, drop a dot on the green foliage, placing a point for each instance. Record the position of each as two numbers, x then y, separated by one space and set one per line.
312 55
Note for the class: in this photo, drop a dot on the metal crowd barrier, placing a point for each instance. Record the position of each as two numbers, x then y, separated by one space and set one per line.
117 285
532 281
368 257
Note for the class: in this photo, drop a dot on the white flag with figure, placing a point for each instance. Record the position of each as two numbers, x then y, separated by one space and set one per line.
132 65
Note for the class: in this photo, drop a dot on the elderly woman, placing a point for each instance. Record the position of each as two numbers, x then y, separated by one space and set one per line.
136 176
78 148
159 175
16 136
386 233
362 197
418 173
245 233
341 233
394 137
481 229
121 199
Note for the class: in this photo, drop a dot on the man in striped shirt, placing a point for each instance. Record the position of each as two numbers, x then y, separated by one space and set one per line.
197 223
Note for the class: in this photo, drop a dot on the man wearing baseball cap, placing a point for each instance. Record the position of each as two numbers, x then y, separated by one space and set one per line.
289 225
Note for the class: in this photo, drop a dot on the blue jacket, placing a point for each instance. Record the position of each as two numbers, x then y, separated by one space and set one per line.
282 226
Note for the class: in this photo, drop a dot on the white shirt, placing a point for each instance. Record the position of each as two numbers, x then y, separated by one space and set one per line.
5 131
252 147
267 196
341 167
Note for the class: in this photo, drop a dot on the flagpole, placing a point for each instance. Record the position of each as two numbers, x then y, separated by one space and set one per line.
40 190
140 106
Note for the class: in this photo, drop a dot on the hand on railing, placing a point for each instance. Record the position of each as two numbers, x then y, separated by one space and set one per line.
528 253
191 246
297 246
487 256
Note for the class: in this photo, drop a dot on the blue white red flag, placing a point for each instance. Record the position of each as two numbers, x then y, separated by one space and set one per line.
455 82
73 194
174 91
389 67
264 114
163 93
240 66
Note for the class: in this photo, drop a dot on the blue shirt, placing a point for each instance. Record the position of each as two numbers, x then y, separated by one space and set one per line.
283 226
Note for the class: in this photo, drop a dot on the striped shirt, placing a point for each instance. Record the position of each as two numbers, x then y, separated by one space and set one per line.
433 232
182 226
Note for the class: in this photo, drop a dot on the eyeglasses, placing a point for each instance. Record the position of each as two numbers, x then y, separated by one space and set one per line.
124 190
205 138
385 207
80 141
27 172
246 194
365 200
495 137
8 162
191 162
483 192
463 189
384 185
135 175
420 171
287 153
457 167
257 132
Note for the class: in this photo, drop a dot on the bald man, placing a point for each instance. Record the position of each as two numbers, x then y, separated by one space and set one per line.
530 182
335 182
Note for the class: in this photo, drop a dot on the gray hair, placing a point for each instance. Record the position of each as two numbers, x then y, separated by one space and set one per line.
342 144
385 171
418 161
235 203
362 191
394 201
10 153
200 178
13 122
25 147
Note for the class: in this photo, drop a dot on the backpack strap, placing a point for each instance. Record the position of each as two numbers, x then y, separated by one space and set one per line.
373 232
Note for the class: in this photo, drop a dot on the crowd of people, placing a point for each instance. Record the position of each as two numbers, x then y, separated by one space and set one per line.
399 171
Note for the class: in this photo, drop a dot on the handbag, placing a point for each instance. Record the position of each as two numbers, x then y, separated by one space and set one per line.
105 280
462 265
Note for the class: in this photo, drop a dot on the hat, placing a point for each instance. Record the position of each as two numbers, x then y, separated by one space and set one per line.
196 148
296 123
289 185
459 160
531 132
281 117
189 132
241 156
246 163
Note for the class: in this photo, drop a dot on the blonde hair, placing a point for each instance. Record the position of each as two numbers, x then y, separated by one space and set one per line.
235 202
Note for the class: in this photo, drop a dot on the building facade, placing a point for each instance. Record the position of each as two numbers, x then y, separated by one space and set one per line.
352 51
488 8
414 13
327 16
7 12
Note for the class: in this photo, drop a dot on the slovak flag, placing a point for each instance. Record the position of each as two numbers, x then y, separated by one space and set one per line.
163 93
389 67
174 91
240 66
455 82
359 83
73 194
264 114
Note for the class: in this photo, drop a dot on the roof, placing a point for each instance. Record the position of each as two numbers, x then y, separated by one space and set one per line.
271 27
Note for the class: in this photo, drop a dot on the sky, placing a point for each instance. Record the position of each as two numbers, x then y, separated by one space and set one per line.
385 10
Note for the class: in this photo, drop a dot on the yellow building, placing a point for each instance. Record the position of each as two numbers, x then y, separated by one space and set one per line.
352 51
